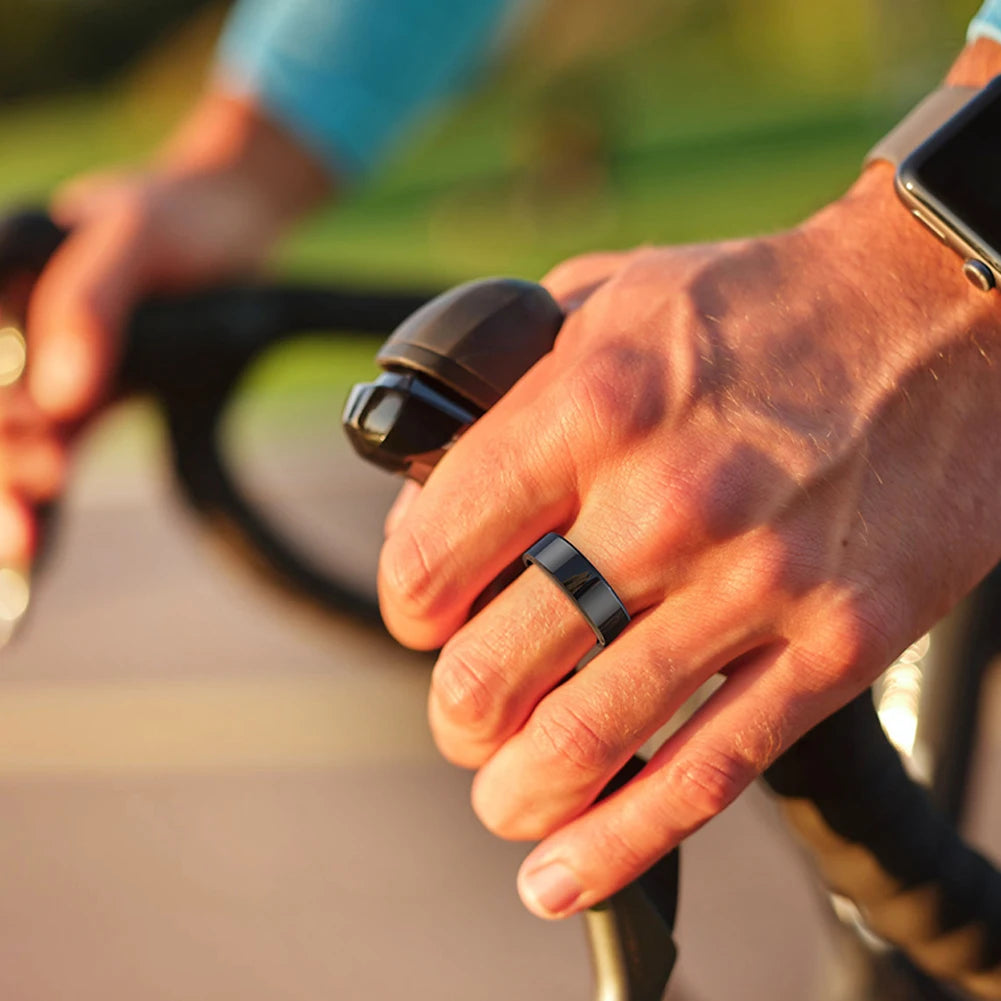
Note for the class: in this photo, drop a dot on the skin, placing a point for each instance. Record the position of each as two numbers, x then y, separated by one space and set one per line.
213 203
784 453
764 445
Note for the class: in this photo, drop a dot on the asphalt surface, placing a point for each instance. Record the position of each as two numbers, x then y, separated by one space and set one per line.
207 793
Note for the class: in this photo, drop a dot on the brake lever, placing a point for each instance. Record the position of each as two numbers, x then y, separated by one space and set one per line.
443 369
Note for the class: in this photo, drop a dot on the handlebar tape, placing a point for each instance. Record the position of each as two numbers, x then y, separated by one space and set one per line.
185 346
878 840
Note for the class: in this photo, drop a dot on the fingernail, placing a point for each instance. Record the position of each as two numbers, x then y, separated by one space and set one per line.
551 889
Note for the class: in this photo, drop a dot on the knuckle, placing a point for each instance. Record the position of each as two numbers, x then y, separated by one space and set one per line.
618 388
857 641
507 823
465 687
459 753
705 784
568 273
619 850
406 579
562 735
577 275
769 571
669 511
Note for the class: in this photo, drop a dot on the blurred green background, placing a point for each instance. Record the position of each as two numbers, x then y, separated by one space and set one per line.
602 125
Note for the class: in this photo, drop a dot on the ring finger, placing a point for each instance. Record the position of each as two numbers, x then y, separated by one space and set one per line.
493 674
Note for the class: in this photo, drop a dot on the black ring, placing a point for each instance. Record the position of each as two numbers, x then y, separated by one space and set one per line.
583 584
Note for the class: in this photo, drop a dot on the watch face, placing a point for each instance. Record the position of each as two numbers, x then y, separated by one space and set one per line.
957 173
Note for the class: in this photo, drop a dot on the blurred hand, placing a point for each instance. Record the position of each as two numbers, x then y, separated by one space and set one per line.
212 206
784 454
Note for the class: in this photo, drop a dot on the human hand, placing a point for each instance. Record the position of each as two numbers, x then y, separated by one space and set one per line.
764 446
211 206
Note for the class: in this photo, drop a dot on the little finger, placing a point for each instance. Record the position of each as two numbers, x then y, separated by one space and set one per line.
34 466
17 531
757 713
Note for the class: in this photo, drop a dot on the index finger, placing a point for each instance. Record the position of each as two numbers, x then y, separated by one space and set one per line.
507 481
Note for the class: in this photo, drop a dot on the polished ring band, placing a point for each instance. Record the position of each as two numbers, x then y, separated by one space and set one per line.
584 586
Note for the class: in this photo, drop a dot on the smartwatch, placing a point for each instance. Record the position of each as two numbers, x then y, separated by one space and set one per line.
948 158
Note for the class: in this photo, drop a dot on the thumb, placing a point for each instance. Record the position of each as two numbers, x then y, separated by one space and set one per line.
77 313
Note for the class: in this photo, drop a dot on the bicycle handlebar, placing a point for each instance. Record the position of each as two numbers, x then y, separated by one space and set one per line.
878 840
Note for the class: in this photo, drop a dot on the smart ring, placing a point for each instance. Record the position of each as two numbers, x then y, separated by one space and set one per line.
583 584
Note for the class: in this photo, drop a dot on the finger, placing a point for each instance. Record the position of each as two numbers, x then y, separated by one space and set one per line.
33 466
755 715
505 483
86 197
20 415
77 313
582 733
573 281
17 531
409 492
493 671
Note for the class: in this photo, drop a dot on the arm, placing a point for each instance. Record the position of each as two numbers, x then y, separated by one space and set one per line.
306 95
784 453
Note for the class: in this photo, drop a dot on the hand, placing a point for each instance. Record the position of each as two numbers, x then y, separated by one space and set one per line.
783 453
211 206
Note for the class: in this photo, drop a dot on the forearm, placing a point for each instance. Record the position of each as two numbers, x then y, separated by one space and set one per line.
350 77
263 162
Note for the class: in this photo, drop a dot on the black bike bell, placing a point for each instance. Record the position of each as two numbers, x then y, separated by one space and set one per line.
445 366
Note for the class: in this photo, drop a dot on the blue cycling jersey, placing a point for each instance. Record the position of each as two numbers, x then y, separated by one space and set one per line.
347 76
987 23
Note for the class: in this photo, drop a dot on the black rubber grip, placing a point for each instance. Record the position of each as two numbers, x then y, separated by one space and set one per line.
877 839
186 346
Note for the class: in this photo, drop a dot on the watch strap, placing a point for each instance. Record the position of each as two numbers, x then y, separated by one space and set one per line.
927 118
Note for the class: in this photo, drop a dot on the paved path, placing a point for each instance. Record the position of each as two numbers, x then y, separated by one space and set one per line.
207 794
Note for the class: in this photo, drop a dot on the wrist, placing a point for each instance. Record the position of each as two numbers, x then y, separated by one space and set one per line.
234 140
872 226
873 216
912 285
